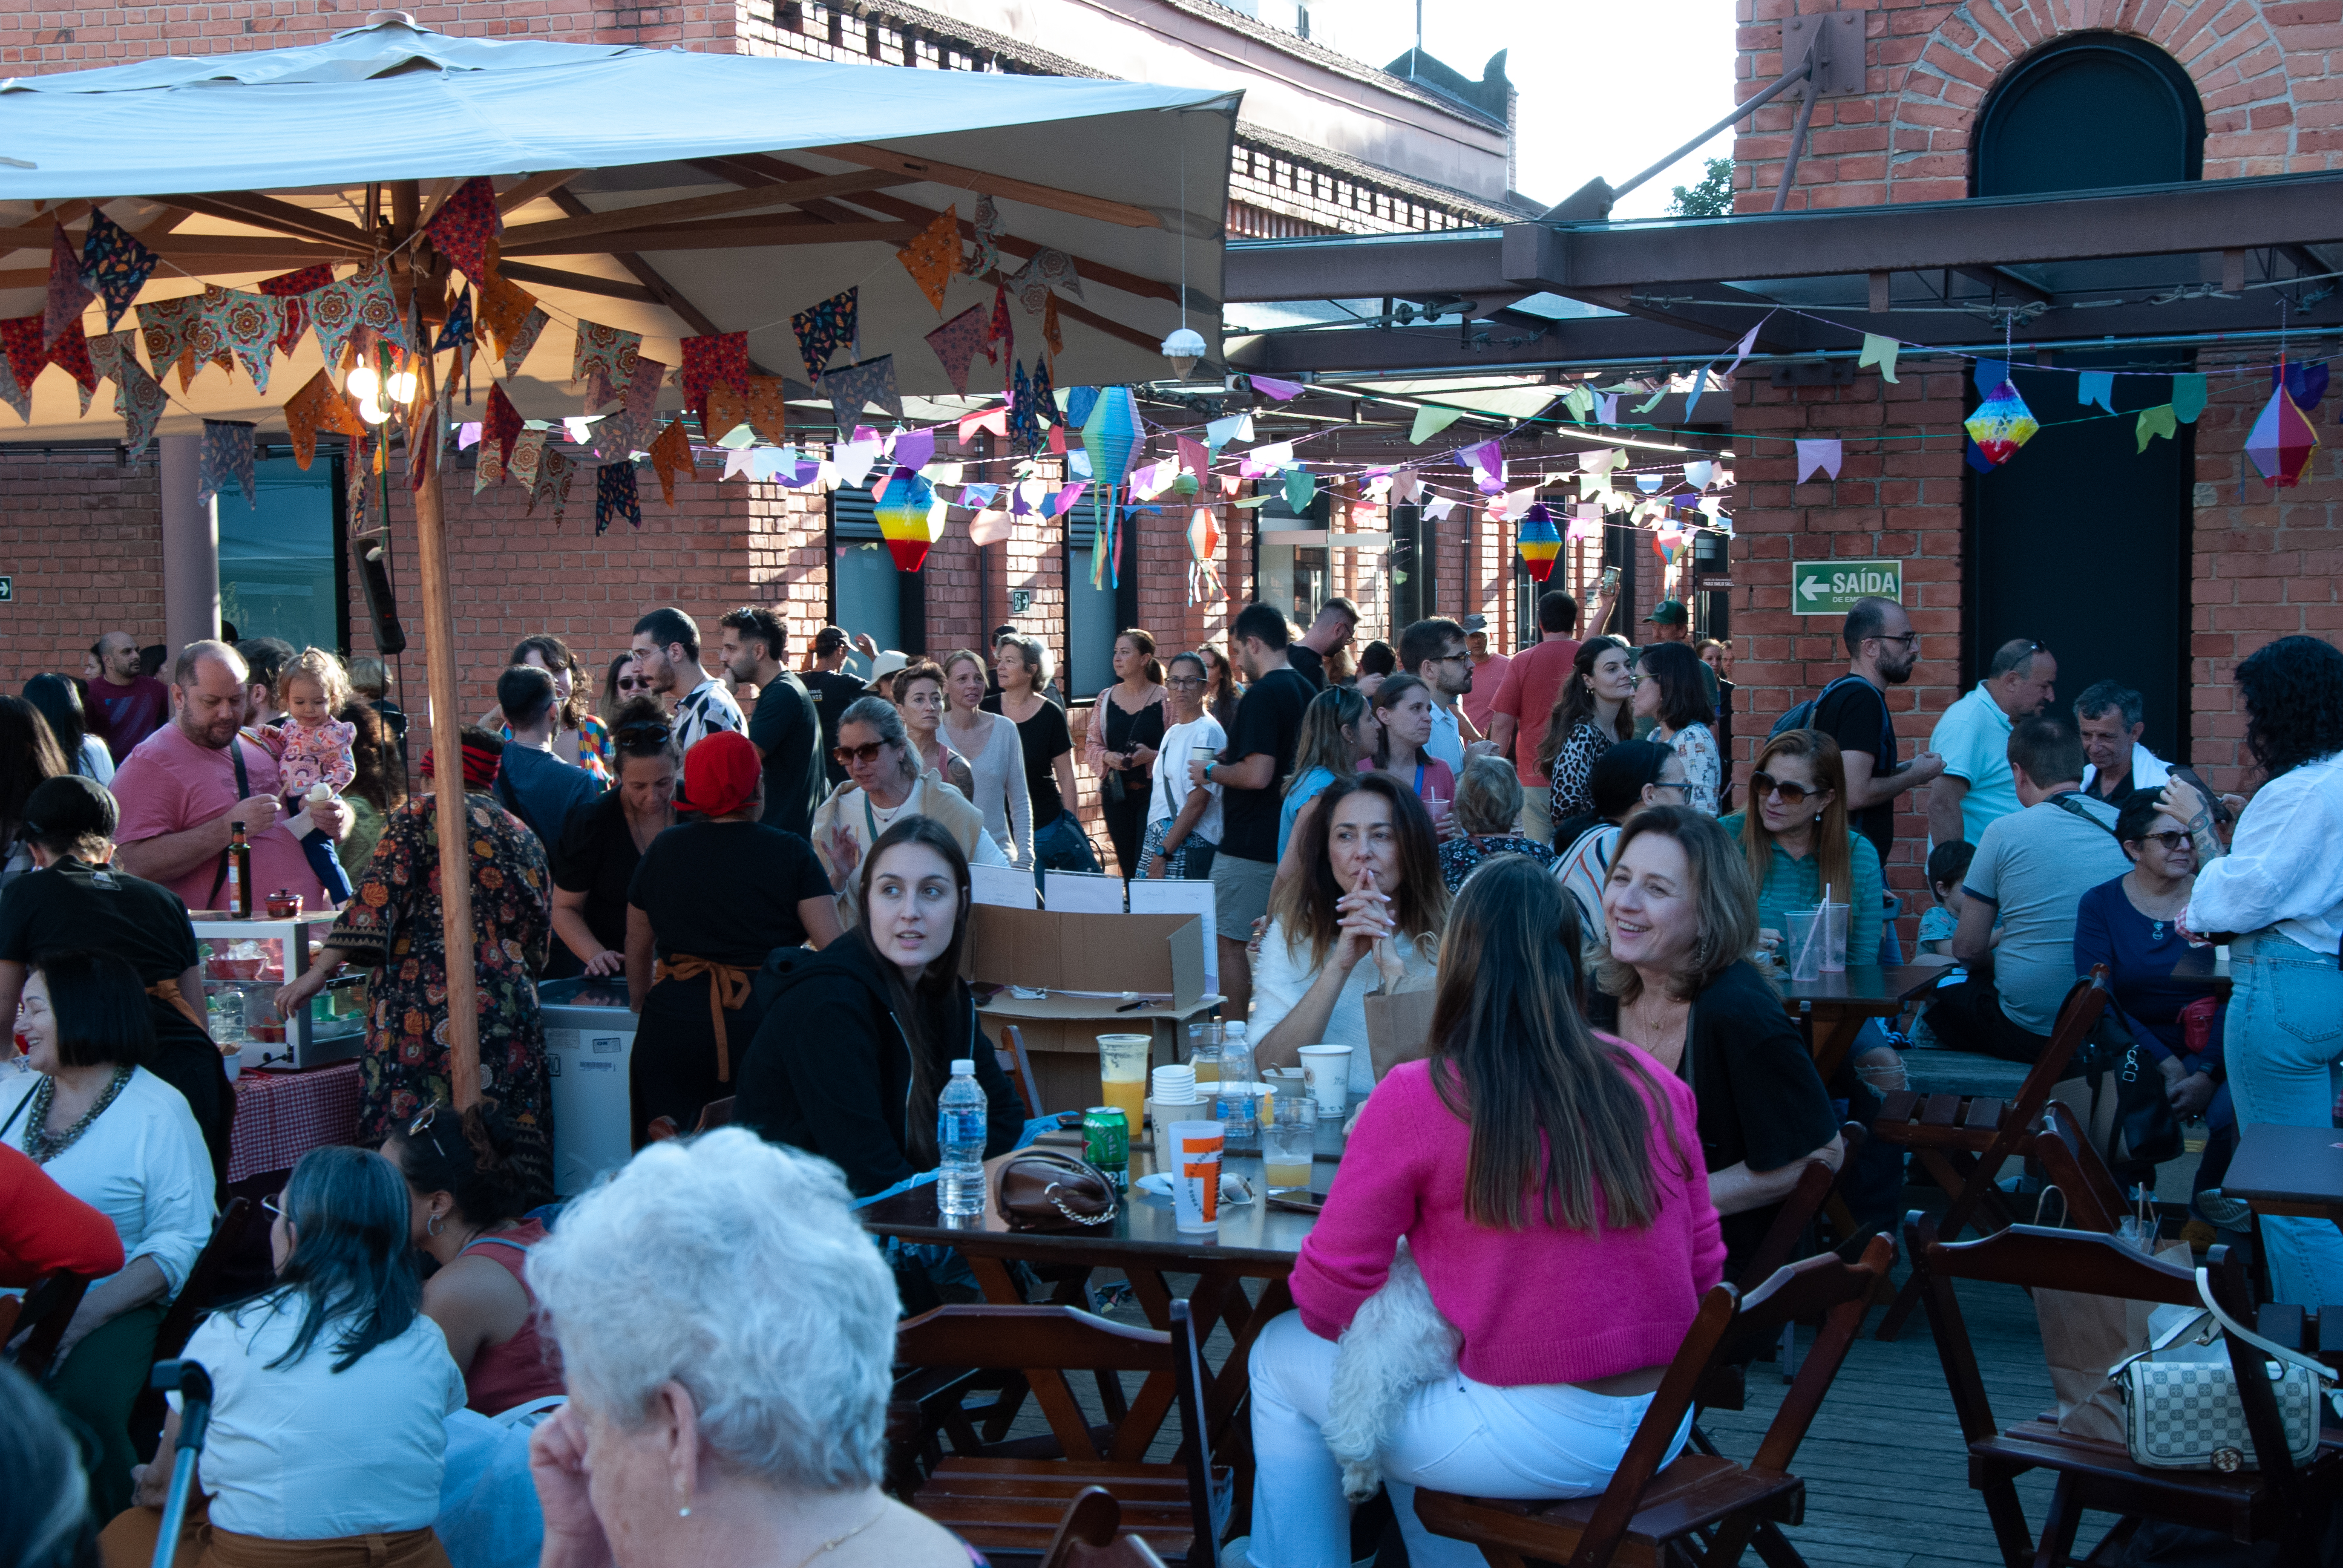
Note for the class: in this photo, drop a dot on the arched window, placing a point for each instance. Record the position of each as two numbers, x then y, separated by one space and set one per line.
2089 111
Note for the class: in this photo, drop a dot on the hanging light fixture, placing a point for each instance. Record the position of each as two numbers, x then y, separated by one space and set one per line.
1185 345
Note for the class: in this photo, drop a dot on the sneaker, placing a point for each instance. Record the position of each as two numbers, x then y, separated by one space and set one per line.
2228 1213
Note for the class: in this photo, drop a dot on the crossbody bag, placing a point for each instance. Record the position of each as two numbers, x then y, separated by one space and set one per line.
2181 1408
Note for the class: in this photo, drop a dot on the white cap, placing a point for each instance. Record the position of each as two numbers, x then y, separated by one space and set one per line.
888 663
964 1067
1232 1031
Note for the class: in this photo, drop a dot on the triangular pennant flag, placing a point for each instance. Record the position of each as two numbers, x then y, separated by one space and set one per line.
140 399
1053 336
226 460
1407 486
464 226
1741 350
2188 395
1080 401
26 346
1047 270
1880 351
1063 500
641 403
524 338
760 408
999 330
2154 422
853 387
1699 385
933 255
2096 387
364 300
501 426
456 333
823 329
1430 422
993 419
1284 391
1580 400
68 294
1652 402
853 459
554 472
1607 407
2306 383
1698 475
1219 433
1825 456
615 497
294 289
1301 490
955 344
986 255
488 467
116 264
605 359
915 450
318 407
526 459
504 307
246 325
615 438
989 527
70 354
1437 507
717 359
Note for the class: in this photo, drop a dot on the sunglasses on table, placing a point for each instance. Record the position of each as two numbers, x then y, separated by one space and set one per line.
848 756
1791 793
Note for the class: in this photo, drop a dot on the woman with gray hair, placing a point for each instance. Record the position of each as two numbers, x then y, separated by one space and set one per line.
685 1293
884 783
1488 799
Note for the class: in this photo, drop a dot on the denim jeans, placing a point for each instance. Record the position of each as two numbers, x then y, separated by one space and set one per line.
2285 1032
1063 845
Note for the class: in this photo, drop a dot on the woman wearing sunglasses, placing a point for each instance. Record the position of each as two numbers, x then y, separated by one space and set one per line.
1795 836
600 850
622 683
884 784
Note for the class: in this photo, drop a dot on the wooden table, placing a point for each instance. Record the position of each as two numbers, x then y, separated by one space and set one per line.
1835 1005
1256 1242
2288 1170
2207 967
1060 1037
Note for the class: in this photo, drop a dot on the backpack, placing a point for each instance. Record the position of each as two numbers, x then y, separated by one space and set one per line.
1802 715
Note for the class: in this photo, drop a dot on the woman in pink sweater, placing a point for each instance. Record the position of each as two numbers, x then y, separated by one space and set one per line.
1550 1186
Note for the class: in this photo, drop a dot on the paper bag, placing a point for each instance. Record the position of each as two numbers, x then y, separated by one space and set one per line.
2082 1337
1399 1028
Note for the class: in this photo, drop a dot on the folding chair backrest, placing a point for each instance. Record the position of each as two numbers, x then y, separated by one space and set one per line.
1090 1536
1816 1182
1019 1070
2077 1016
2088 1263
203 1280
48 1307
2094 1201
715 1113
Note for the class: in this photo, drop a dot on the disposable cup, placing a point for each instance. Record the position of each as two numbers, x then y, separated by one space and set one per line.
1327 1070
1196 1177
1123 1072
1807 940
1834 948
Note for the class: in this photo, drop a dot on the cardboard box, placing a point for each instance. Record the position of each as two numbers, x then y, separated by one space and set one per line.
1151 954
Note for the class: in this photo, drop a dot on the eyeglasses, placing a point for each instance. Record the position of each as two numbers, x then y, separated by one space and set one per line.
646 734
423 1120
1457 657
1793 794
848 756
1671 784
1907 640
270 1206
1185 681
2169 838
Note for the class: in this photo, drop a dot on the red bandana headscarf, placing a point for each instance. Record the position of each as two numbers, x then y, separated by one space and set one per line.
721 772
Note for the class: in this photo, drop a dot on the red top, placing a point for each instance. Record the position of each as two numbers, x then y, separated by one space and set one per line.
45 1229
1523 1300
1532 682
523 1367
123 716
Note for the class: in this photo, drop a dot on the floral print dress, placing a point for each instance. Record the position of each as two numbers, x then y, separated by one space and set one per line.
394 924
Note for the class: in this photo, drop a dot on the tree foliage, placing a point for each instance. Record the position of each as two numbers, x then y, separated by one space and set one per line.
1712 197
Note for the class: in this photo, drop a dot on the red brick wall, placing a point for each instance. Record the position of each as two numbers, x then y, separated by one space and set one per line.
72 37
84 549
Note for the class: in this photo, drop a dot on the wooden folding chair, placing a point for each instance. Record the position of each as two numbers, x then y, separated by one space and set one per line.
1964 1144
1014 1063
2281 1502
1012 1507
2063 1149
41 1315
1090 1536
1701 1509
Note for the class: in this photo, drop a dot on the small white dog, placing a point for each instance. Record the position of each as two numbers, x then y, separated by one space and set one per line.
1396 1343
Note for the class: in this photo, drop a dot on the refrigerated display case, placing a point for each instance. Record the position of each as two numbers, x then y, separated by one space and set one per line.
244 963
589 1039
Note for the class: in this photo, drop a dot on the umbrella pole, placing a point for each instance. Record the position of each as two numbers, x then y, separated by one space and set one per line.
448 747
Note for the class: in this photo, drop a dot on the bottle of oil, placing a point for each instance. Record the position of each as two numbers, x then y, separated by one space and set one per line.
239 874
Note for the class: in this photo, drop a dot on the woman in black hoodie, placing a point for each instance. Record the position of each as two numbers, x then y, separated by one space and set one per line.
859 1039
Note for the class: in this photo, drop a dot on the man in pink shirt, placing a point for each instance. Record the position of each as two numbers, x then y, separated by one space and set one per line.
1488 673
183 785
124 707
1525 698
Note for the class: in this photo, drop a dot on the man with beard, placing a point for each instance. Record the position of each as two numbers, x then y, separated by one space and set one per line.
1852 710
667 651
1434 651
785 727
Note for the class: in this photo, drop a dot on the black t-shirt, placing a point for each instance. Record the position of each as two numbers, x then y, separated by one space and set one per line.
833 691
1044 739
786 732
1308 663
726 892
1854 714
598 858
1269 722
76 905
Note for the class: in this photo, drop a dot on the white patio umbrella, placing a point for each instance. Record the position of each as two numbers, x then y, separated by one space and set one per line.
658 192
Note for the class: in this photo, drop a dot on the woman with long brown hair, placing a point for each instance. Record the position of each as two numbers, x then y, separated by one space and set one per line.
1366 886
1125 731
1528 1147
1795 836
1589 717
859 1039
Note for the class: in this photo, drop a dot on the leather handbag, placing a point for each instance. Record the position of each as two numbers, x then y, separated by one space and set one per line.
2181 1410
1043 1189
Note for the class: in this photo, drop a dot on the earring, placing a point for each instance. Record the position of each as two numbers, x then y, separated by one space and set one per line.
684 1512
434 1225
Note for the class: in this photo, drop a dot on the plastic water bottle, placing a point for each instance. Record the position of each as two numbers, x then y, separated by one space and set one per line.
960 1114
1236 1054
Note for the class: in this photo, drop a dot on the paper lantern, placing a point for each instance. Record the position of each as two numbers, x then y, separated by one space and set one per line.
2002 423
1203 544
2282 441
911 518
1539 541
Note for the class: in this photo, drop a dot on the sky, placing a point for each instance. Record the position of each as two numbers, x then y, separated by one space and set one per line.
1606 88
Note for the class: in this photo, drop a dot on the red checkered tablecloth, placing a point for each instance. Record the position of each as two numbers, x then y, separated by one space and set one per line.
281 1116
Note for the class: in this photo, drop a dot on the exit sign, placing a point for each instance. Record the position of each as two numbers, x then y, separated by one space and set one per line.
1831 587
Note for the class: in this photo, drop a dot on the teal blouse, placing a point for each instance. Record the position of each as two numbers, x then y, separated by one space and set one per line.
1793 884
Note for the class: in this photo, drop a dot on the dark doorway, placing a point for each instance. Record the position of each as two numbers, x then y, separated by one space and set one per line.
2090 111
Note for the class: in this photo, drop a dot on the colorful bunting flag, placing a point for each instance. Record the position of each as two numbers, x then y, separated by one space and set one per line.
955 344
616 496
717 359
116 264
2154 422
1880 351
911 518
604 357
68 294
226 460
294 289
853 387
1270 387
761 407
246 325
168 327
989 527
318 407
2306 383
2282 441
1000 329
555 471
1825 456
70 354
1301 490
933 255
2096 388
488 467
823 329
1053 335
465 227
501 426
1430 422
1048 269
526 457
504 308
364 300
915 450
456 333
2188 395
993 419
1538 542
987 254
2001 425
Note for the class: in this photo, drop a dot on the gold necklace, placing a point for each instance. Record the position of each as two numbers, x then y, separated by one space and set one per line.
837 1540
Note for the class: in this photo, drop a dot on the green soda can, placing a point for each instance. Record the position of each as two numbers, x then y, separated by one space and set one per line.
1106 1143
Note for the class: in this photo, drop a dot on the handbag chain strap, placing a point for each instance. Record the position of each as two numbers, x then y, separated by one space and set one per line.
1050 1192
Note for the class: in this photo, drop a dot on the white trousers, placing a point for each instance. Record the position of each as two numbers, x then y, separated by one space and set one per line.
1536 1441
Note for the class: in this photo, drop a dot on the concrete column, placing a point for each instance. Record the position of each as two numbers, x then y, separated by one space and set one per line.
191 594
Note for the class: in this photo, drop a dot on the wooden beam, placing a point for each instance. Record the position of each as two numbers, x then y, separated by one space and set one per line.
731 234
690 315
580 283
533 186
719 205
929 169
268 213
744 171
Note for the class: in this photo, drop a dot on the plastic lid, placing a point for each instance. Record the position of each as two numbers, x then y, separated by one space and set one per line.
964 1067
1232 1031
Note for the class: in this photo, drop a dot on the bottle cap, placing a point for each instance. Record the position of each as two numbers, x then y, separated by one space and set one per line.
1232 1033
964 1067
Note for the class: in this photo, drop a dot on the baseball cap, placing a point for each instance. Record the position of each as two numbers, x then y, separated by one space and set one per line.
1669 612
1474 623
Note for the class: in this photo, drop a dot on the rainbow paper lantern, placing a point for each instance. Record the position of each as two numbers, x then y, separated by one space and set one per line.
2002 423
911 518
2282 441
1539 541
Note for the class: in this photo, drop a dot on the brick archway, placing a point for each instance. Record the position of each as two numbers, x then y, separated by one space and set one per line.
2234 53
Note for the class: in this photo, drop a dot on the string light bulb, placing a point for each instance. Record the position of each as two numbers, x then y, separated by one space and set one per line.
403 386
363 384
